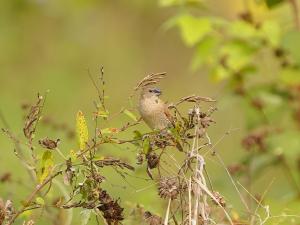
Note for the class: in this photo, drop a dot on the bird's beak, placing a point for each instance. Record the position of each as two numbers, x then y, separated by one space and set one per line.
157 91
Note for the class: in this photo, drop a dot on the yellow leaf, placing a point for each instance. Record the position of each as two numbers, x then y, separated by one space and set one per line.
72 155
82 130
109 131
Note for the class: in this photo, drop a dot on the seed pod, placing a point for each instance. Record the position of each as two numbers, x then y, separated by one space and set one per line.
169 187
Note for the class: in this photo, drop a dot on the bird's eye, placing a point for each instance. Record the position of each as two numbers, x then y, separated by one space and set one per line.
150 91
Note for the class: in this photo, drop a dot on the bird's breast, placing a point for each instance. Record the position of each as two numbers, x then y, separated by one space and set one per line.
152 112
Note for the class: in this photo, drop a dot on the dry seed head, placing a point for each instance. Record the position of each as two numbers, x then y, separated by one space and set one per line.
152 219
152 160
30 222
48 143
195 98
169 187
111 209
219 198
151 79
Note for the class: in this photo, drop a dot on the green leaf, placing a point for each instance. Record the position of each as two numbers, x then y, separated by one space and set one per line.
146 145
287 142
270 98
85 216
219 73
40 201
238 54
291 43
137 134
46 166
290 76
166 3
103 113
271 31
130 115
193 29
273 3
205 52
241 29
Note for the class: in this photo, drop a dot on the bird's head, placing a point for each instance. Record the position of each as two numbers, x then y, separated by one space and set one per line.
150 92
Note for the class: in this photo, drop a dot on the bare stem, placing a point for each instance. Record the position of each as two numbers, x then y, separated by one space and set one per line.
31 197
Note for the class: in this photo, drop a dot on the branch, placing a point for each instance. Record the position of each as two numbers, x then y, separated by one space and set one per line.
31 197
295 9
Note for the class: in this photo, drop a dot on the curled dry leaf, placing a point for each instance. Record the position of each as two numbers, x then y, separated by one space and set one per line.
49 143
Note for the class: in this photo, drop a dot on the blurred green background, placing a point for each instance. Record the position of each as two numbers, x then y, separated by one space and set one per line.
51 45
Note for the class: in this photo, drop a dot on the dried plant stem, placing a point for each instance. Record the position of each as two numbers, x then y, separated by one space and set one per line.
295 9
190 201
168 212
204 188
233 182
32 195
68 220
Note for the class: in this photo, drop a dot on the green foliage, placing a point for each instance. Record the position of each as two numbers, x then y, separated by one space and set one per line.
193 29
46 165
85 216
290 43
130 115
40 201
146 145
272 3
290 76
259 58
166 3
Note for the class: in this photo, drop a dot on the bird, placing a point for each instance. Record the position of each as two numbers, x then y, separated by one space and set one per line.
153 110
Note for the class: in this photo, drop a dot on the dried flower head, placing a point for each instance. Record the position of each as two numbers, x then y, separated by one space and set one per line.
139 158
152 160
49 143
6 210
2 212
219 198
256 138
169 187
112 211
152 219
30 222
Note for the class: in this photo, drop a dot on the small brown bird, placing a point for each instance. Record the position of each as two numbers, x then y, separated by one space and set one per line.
153 110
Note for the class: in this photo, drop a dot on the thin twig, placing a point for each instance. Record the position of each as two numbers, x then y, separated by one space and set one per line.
32 195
